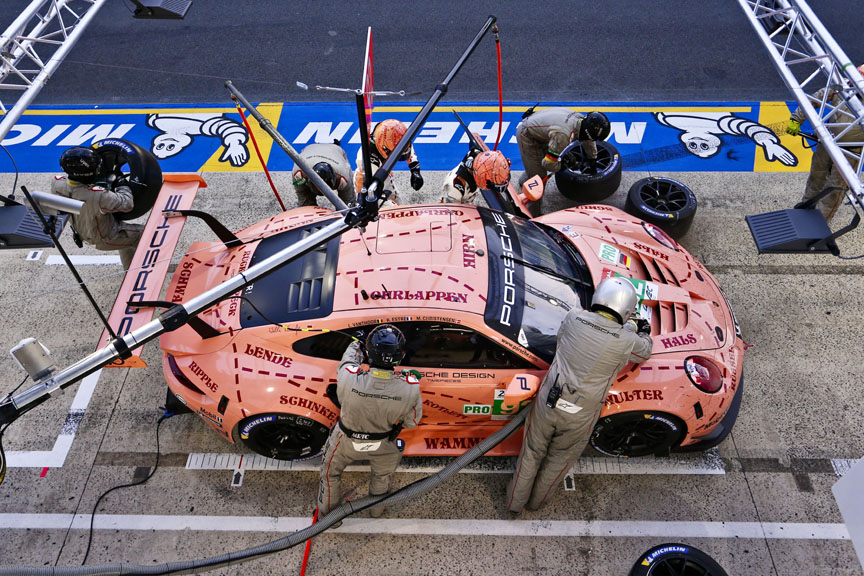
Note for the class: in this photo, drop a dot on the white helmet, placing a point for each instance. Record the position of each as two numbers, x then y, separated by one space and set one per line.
616 296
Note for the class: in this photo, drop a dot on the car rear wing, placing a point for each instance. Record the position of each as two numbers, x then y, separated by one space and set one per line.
146 274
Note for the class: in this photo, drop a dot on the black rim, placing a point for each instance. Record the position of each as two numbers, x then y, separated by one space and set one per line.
663 196
574 160
636 437
112 163
679 567
282 438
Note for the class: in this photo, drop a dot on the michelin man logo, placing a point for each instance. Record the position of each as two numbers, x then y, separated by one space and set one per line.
178 130
699 134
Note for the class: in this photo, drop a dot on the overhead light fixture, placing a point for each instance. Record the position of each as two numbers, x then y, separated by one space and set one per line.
161 9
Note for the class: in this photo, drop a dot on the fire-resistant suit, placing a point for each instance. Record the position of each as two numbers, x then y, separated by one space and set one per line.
459 185
96 224
374 405
592 349
542 137
823 172
335 156
376 160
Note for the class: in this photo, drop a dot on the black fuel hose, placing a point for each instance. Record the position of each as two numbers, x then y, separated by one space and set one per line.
401 496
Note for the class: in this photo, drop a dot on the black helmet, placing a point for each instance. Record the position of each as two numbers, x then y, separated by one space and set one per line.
325 171
385 346
595 126
81 164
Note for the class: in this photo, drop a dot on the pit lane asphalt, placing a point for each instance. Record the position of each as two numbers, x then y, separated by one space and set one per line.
803 315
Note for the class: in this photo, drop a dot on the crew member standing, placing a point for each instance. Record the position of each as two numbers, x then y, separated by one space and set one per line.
96 224
383 140
823 172
592 348
543 135
490 170
375 406
331 163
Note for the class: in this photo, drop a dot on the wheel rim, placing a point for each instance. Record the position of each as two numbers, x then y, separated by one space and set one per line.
636 437
679 567
663 196
574 158
278 437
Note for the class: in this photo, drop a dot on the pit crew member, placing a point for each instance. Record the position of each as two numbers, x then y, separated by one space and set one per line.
543 135
488 169
592 348
96 224
383 140
331 163
823 172
375 406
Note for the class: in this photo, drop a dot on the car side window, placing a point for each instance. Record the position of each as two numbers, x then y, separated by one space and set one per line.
428 345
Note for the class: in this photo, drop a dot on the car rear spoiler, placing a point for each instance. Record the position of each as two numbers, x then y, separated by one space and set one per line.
146 274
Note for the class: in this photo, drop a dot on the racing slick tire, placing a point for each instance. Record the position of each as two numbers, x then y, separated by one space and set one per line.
589 185
677 560
664 202
282 436
127 160
637 434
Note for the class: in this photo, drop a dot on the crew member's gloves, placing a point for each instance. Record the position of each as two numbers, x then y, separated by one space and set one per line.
397 429
793 128
416 177
643 326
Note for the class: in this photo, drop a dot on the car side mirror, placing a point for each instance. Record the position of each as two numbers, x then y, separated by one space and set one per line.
532 189
519 392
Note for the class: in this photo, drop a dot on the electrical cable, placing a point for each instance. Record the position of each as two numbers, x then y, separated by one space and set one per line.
258 152
162 418
15 165
500 91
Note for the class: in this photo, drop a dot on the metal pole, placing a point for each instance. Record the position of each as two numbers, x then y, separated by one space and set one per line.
267 126
49 229
440 90
167 321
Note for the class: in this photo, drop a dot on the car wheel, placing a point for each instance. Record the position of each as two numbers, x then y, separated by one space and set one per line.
124 159
283 436
586 185
676 560
664 202
637 433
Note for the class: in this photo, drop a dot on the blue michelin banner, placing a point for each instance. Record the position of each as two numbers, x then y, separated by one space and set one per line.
734 137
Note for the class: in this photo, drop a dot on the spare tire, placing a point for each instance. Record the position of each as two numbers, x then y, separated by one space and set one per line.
586 185
676 558
664 202
127 160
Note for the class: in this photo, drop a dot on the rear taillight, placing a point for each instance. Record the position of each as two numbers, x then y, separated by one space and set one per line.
175 370
704 374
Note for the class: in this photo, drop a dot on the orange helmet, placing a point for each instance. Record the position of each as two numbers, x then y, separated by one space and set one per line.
387 135
491 170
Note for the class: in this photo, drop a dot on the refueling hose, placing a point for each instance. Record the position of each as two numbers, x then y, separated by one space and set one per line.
400 496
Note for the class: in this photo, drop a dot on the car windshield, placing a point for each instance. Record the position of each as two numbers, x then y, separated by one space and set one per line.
535 278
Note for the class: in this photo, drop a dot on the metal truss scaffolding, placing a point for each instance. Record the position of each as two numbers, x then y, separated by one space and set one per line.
32 48
809 59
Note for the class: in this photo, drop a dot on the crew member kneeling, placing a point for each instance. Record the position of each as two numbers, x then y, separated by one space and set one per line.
375 406
96 224
592 348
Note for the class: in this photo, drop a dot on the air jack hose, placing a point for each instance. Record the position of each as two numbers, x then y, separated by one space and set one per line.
402 495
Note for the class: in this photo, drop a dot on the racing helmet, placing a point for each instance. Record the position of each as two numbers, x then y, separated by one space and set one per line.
385 346
325 171
387 135
81 164
616 296
491 170
595 126
861 69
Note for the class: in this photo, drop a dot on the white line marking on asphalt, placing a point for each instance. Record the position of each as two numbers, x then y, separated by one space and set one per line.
706 463
841 465
436 527
83 260
57 455
34 255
